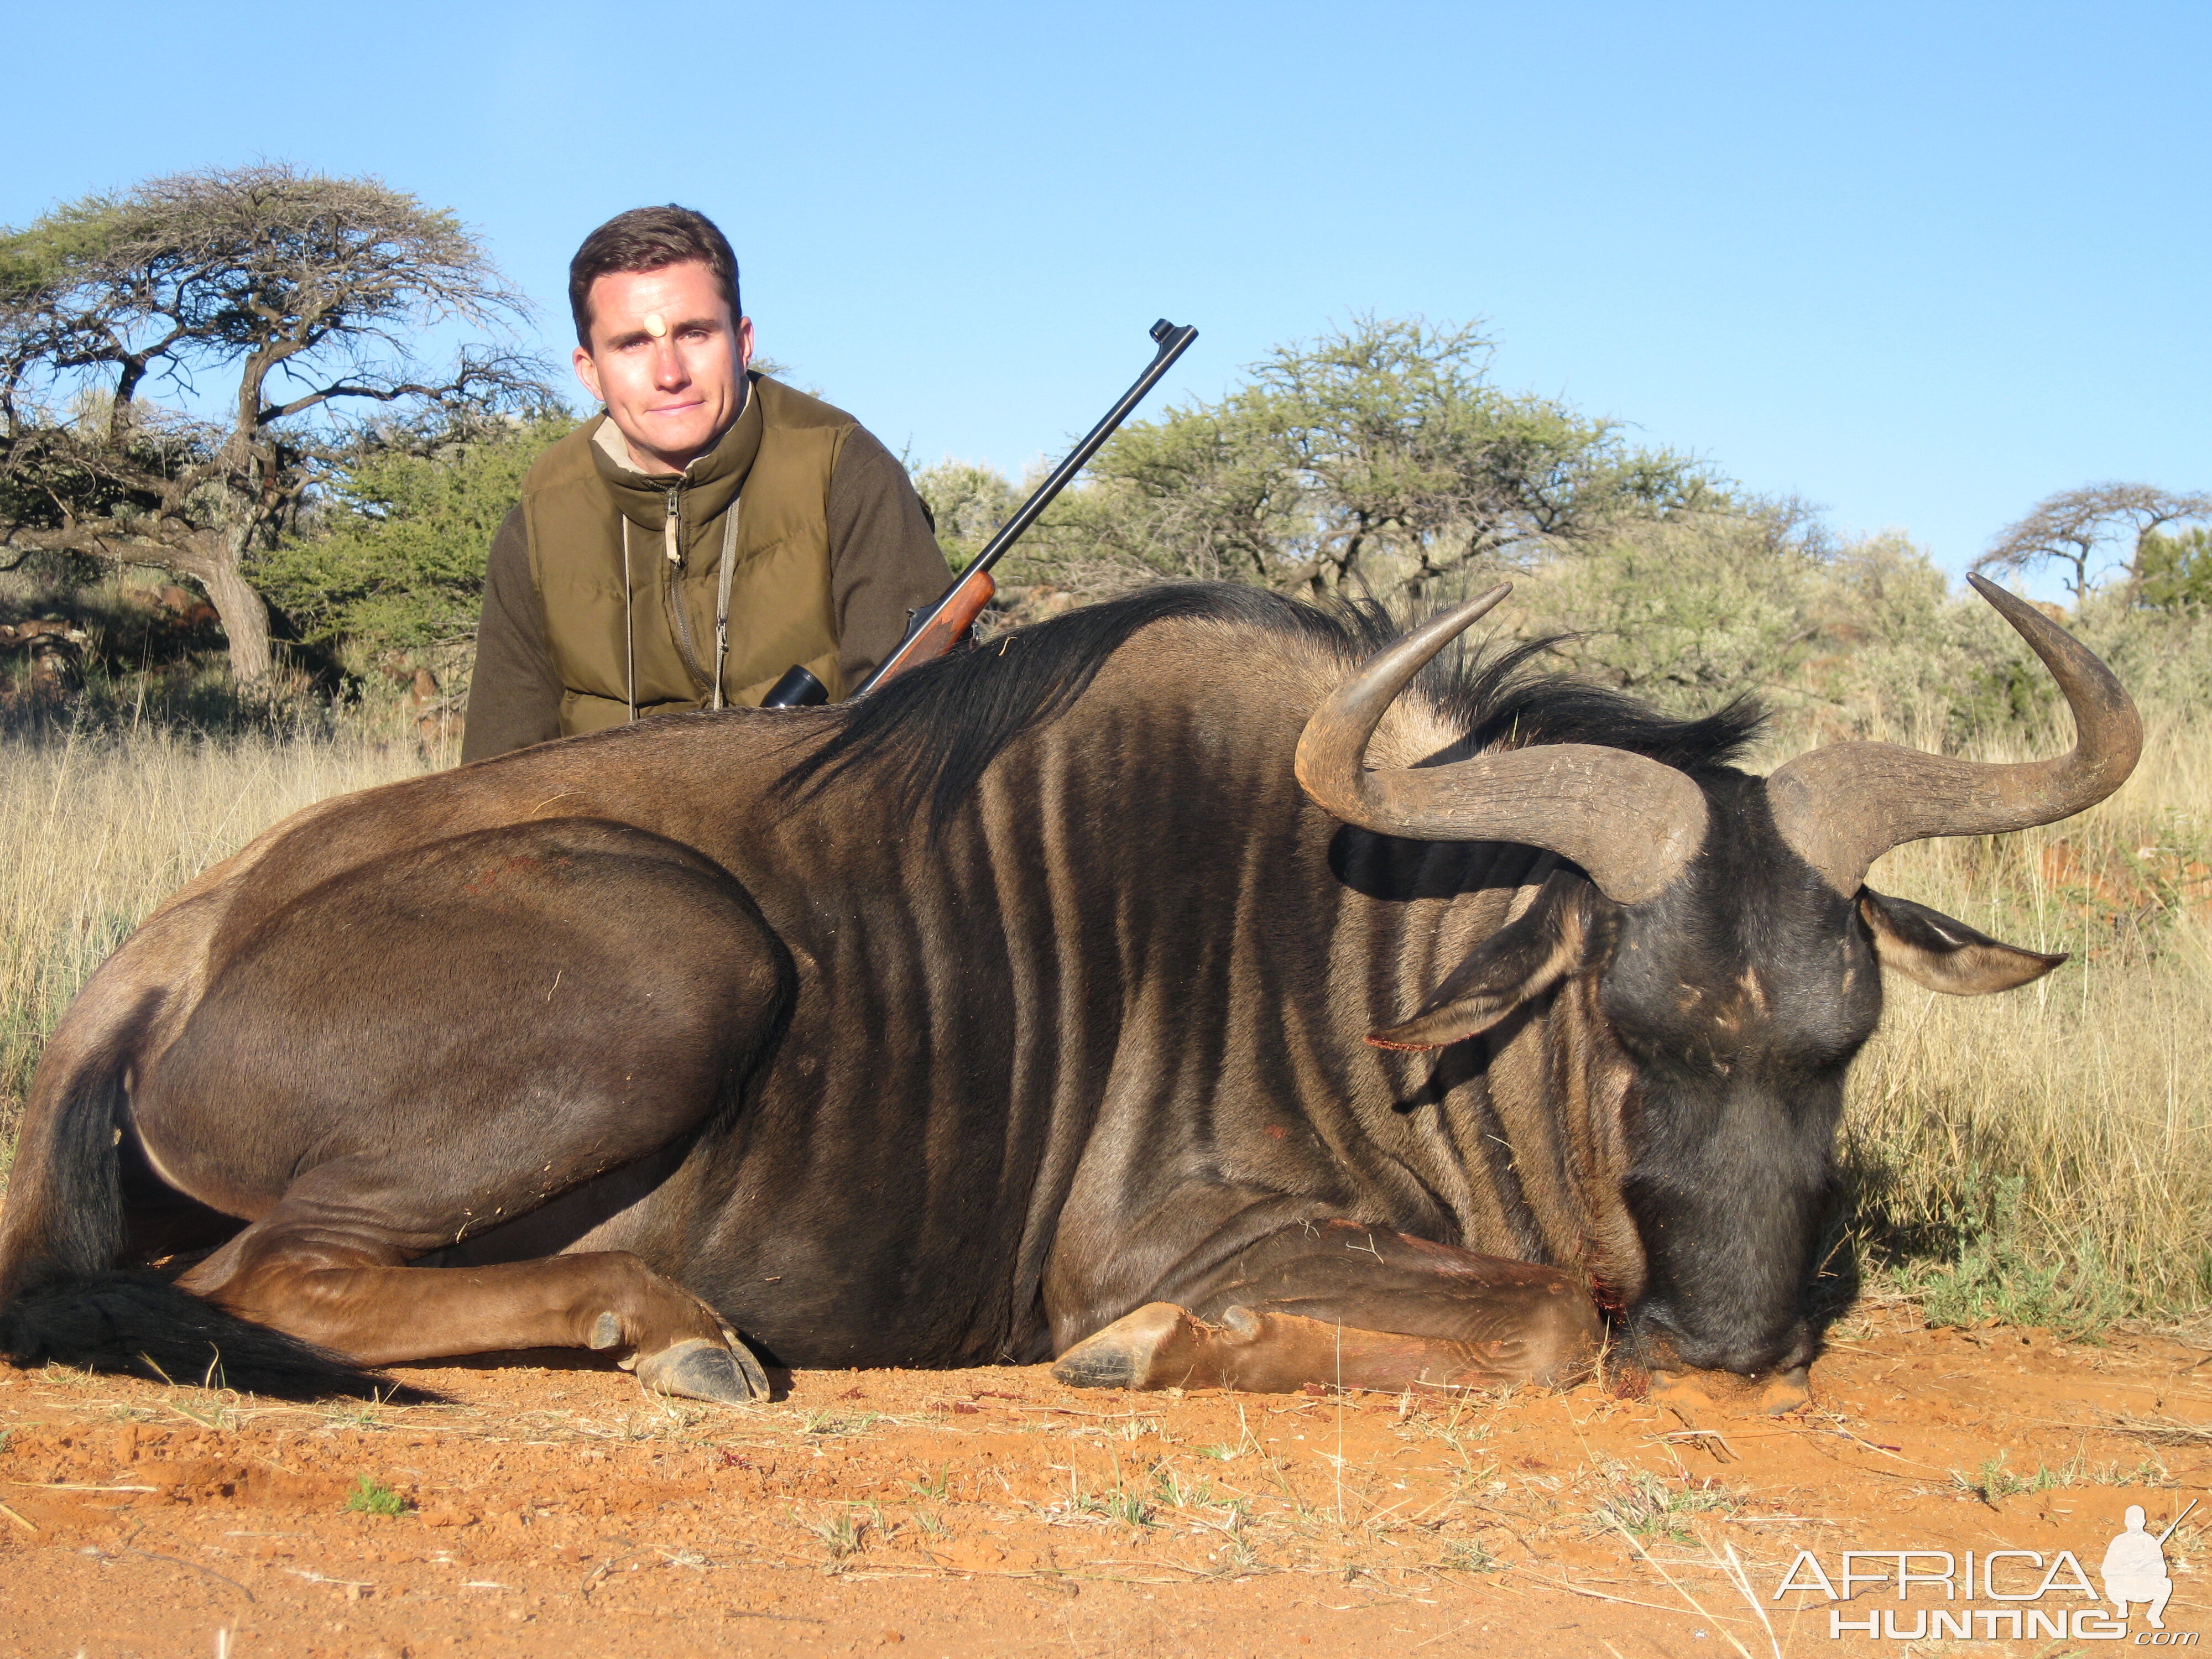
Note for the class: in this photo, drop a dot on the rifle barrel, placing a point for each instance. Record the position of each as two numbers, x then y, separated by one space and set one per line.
2177 1521
1172 342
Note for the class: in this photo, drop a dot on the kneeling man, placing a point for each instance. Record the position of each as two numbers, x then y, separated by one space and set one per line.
711 529
2134 1570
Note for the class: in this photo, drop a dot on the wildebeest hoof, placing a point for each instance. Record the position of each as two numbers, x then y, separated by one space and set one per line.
1158 1346
696 1369
1785 1392
1267 1351
1692 1395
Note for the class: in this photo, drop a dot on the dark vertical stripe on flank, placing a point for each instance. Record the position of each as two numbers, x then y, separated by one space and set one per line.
1184 953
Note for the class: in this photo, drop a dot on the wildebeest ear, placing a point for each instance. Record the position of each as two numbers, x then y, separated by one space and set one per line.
1522 960
1930 949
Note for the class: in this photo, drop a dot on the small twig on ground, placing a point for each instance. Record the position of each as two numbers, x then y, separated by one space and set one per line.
1636 1543
179 1561
780 1617
1707 1438
2160 1432
1596 1596
72 1485
1741 1577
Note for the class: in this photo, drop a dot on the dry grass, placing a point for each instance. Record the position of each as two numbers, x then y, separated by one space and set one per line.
2047 1148
2040 1156
95 832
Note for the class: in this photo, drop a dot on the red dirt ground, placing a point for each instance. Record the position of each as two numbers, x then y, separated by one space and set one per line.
553 1510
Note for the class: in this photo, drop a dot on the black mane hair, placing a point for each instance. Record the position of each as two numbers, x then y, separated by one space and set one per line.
936 729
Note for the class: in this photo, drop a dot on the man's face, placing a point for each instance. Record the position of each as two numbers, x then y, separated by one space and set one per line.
667 360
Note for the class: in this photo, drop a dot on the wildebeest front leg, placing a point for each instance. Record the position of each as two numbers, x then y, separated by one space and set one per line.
439 1043
1339 1304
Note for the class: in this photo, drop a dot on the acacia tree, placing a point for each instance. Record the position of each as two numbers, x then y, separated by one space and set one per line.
299 295
1375 459
2079 530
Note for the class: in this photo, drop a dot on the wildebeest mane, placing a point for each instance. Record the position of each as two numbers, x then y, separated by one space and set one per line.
935 730
1503 705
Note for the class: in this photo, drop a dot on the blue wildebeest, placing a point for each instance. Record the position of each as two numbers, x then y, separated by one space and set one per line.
1193 989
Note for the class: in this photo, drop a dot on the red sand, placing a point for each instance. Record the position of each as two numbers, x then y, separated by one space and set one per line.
554 1509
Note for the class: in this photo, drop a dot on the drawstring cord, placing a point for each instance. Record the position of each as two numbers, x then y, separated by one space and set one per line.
722 595
629 634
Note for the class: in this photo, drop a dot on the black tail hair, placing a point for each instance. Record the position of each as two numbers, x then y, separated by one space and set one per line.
140 1324
83 1174
73 1309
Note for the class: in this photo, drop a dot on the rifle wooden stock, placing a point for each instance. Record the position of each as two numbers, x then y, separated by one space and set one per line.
946 625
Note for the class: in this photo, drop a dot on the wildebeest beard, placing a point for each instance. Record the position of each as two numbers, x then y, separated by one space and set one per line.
1163 956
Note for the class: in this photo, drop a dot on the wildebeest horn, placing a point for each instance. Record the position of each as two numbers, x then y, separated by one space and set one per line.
1631 822
1842 807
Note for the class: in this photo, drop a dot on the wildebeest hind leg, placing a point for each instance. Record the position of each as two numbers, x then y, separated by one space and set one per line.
442 1042
298 1271
1339 1304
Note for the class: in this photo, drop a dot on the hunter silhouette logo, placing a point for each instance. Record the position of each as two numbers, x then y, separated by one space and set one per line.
2030 1595
2135 1566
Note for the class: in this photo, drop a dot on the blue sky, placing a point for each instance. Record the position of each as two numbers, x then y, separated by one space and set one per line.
1922 264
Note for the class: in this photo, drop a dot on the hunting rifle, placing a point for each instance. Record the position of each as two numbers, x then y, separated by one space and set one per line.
939 628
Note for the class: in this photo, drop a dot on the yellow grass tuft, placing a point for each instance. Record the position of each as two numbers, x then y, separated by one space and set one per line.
2051 1142
95 832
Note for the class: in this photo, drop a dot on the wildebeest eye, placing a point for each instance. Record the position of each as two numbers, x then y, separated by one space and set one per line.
1642 1042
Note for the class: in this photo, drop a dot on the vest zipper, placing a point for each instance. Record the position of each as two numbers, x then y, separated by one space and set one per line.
681 620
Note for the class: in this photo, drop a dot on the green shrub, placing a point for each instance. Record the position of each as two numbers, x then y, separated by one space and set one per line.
374 1497
1994 1274
968 502
394 559
2176 570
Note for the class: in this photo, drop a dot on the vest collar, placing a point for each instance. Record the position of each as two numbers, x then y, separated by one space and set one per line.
709 483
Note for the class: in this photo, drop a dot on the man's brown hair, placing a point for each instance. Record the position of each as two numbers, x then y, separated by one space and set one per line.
649 239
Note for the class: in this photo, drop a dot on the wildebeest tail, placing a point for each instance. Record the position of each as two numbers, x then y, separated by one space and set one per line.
65 1302
142 1324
